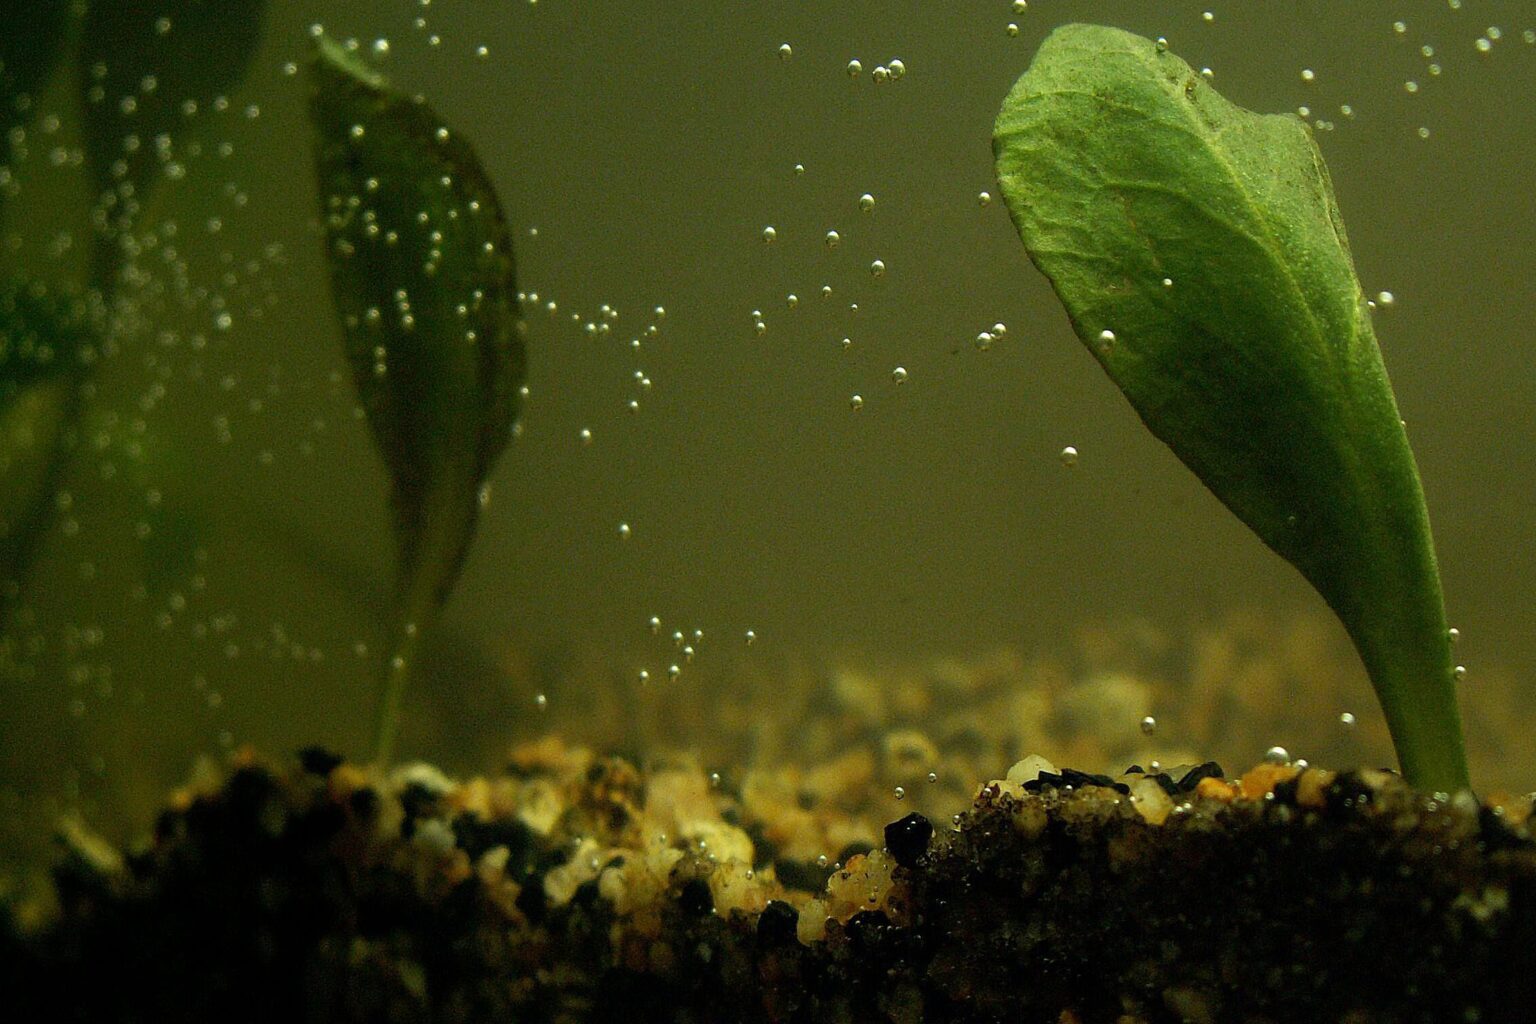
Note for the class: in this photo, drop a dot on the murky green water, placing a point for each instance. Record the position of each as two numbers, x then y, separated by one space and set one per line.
217 568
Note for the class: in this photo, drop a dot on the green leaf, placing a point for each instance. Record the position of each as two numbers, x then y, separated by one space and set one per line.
1200 255
151 72
422 274
28 56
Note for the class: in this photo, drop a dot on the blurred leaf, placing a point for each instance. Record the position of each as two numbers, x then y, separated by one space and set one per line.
150 71
29 50
1200 255
44 350
422 275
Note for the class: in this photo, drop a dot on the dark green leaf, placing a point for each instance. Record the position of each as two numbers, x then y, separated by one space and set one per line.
30 47
44 351
1199 253
151 71
422 274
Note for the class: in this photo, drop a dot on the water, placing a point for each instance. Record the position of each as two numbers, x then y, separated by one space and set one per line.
845 480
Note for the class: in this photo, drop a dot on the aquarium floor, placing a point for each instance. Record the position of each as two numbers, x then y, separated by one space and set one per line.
575 887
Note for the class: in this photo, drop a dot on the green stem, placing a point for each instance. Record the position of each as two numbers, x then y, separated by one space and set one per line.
418 614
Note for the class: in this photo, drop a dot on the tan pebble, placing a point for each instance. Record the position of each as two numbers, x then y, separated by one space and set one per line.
1262 779
1312 787
1151 801
812 923
1215 789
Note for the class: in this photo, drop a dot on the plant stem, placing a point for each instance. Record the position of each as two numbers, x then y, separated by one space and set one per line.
418 613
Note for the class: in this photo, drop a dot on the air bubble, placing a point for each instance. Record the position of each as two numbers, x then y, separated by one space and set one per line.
866 202
1148 725
624 531
877 268
984 198
1068 456
769 234
899 375
751 637
1346 719
855 68
833 239
786 52
1385 298
1277 755
1308 75
856 402
898 68
1459 673
900 792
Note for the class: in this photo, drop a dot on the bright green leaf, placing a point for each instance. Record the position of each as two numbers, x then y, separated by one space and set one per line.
1200 255
422 274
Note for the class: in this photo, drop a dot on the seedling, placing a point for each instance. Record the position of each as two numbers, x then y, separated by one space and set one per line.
422 275
1199 253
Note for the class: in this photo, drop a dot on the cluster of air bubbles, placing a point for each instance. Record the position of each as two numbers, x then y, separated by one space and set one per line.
987 338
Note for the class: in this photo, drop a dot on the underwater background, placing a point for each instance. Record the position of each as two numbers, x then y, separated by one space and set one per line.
217 573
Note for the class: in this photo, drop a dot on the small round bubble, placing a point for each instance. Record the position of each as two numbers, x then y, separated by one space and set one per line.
899 375
1148 725
1068 456
1277 755
866 202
